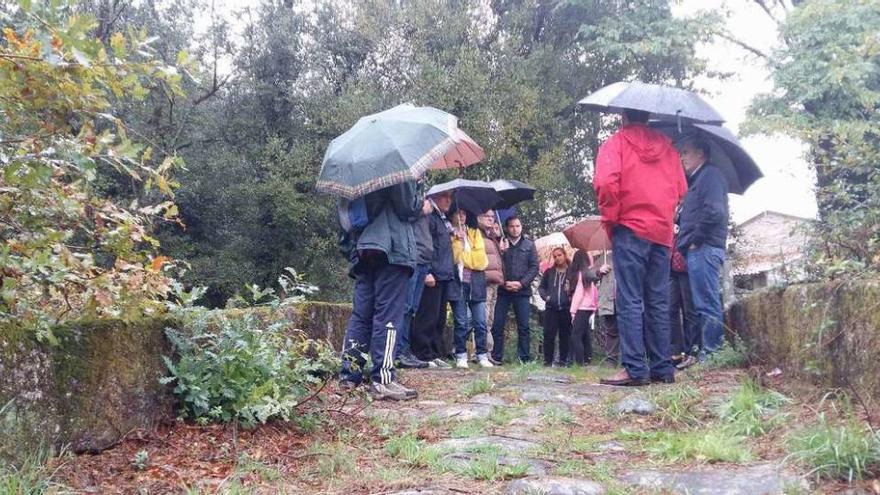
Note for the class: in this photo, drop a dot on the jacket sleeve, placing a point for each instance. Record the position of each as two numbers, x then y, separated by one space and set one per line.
543 290
476 258
532 270
606 180
405 201
712 200
577 297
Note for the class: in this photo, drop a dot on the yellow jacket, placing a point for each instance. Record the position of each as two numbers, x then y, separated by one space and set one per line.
475 259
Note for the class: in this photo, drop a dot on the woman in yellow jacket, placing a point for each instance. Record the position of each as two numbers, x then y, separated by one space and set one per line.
467 291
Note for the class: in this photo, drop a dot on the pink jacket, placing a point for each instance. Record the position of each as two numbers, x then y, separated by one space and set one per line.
584 298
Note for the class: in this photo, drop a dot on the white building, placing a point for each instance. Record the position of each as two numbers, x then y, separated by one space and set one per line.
770 250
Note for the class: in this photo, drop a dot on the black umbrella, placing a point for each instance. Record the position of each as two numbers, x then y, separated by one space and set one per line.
726 152
663 102
512 192
474 196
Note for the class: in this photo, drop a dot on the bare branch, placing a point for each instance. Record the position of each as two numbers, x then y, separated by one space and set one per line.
766 8
745 46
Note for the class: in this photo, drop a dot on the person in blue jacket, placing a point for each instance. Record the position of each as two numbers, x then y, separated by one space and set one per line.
702 238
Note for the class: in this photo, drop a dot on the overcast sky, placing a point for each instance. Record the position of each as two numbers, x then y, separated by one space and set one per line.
787 185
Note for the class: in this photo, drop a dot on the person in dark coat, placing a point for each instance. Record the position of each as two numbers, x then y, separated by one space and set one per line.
382 258
426 337
415 287
554 291
703 238
520 263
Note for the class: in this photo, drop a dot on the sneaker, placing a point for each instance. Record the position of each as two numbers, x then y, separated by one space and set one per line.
408 392
439 363
461 361
686 363
408 360
381 391
496 362
483 360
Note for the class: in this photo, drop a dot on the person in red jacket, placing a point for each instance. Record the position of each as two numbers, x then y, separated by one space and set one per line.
639 181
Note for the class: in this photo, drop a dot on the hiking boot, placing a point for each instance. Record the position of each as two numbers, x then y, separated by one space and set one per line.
408 360
483 361
408 392
686 363
461 361
381 391
439 363
496 362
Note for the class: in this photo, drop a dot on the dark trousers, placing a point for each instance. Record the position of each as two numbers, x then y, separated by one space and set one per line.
375 317
608 337
642 284
521 309
463 321
414 290
704 269
556 322
426 337
682 317
581 345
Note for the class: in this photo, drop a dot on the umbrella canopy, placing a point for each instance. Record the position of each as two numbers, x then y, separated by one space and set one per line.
588 234
545 245
394 146
474 196
663 102
726 152
512 192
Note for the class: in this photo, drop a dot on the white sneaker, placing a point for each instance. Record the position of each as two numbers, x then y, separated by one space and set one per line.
461 361
439 363
483 359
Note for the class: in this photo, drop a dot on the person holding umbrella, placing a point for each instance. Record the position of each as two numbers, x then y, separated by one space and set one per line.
467 291
639 181
703 238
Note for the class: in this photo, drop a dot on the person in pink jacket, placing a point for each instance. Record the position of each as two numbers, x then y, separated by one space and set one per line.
581 280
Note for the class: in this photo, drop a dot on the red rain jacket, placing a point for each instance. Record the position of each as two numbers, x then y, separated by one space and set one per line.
639 181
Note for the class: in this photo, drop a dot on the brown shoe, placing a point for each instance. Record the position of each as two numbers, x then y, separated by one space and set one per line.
622 379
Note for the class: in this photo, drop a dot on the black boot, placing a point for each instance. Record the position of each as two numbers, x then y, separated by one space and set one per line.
408 360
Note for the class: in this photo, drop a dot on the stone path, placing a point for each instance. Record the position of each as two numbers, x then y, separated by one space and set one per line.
539 431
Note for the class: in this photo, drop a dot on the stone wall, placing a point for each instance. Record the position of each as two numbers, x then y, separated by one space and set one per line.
102 380
826 333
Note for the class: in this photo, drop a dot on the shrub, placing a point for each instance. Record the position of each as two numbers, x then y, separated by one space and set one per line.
847 450
237 369
733 354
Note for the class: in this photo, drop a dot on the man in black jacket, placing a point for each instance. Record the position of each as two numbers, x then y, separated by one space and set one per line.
702 238
426 337
520 263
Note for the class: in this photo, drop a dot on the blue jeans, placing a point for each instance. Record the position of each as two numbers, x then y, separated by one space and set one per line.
414 290
378 289
642 304
521 310
463 323
704 270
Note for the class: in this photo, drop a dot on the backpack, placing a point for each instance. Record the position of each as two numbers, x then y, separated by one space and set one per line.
353 215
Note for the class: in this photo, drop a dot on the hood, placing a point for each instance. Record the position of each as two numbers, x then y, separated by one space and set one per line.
649 145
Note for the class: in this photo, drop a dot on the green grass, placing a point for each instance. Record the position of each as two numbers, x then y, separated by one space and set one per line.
522 371
503 415
679 405
710 445
847 450
731 355
488 467
28 476
413 452
555 415
752 410
466 429
334 459
479 386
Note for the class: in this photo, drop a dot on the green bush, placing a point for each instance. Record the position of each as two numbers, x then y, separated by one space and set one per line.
733 354
847 450
239 369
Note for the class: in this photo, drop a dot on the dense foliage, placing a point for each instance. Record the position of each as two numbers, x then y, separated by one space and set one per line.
827 93
291 76
67 250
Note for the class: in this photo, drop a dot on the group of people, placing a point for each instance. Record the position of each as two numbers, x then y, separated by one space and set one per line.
663 205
